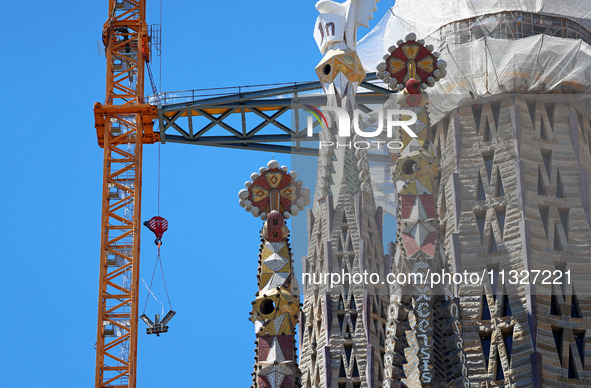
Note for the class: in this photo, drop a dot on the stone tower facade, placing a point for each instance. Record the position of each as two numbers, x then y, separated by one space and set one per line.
512 138
424 345
511 134
516 198
342 332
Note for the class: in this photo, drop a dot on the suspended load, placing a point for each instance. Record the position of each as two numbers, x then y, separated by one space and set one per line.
158 326
158 225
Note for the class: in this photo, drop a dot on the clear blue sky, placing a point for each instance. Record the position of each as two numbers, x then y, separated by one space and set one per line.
51 192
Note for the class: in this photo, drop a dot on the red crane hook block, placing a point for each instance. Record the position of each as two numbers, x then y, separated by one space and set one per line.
158 226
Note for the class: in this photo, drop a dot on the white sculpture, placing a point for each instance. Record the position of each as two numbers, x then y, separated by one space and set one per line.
337 24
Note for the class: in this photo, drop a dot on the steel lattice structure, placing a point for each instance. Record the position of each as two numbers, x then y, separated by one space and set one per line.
123 124
265 105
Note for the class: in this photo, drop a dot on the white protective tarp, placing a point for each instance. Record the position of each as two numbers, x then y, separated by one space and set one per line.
488 65
424 17
482 64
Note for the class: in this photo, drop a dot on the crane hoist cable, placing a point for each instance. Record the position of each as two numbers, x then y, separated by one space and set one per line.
152 82
158 225
146 55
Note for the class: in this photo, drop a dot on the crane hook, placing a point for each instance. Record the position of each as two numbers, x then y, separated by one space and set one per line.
158 226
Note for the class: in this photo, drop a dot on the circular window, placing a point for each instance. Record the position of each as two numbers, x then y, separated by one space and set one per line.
326 69
409 167
267 306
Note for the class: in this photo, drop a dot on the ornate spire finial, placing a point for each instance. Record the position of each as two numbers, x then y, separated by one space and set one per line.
411 59
274 189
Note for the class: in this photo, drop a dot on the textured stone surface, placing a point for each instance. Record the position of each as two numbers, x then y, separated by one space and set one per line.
508 178
343 328
521 204
424 344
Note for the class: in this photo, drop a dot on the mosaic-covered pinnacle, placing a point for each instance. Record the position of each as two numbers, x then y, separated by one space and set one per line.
273 188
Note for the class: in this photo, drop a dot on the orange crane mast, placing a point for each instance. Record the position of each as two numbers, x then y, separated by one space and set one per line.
123 124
